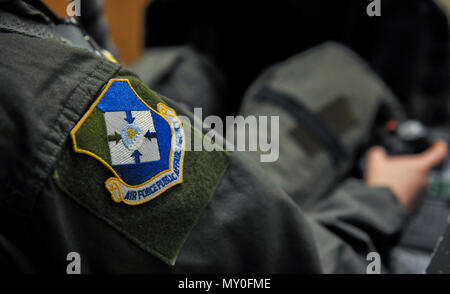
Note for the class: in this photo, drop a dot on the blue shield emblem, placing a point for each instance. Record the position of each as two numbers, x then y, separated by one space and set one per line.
143 147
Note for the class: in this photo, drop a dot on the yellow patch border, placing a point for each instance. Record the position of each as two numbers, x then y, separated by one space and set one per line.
162 108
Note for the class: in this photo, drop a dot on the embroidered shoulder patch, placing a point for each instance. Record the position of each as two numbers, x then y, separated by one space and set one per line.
142 147
119 120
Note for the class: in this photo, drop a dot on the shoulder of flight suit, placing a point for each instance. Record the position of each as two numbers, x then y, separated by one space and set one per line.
52 212
248 225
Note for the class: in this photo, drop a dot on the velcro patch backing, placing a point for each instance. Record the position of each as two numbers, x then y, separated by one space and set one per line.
161 225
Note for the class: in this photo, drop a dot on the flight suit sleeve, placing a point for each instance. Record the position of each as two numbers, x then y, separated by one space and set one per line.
354 221
60 206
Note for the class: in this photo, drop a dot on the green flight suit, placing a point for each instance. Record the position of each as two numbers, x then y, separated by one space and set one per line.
53 200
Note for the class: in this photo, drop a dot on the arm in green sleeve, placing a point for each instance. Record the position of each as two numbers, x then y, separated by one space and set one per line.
354 221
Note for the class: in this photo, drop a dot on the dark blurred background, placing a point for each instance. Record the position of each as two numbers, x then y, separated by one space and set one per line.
408 45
